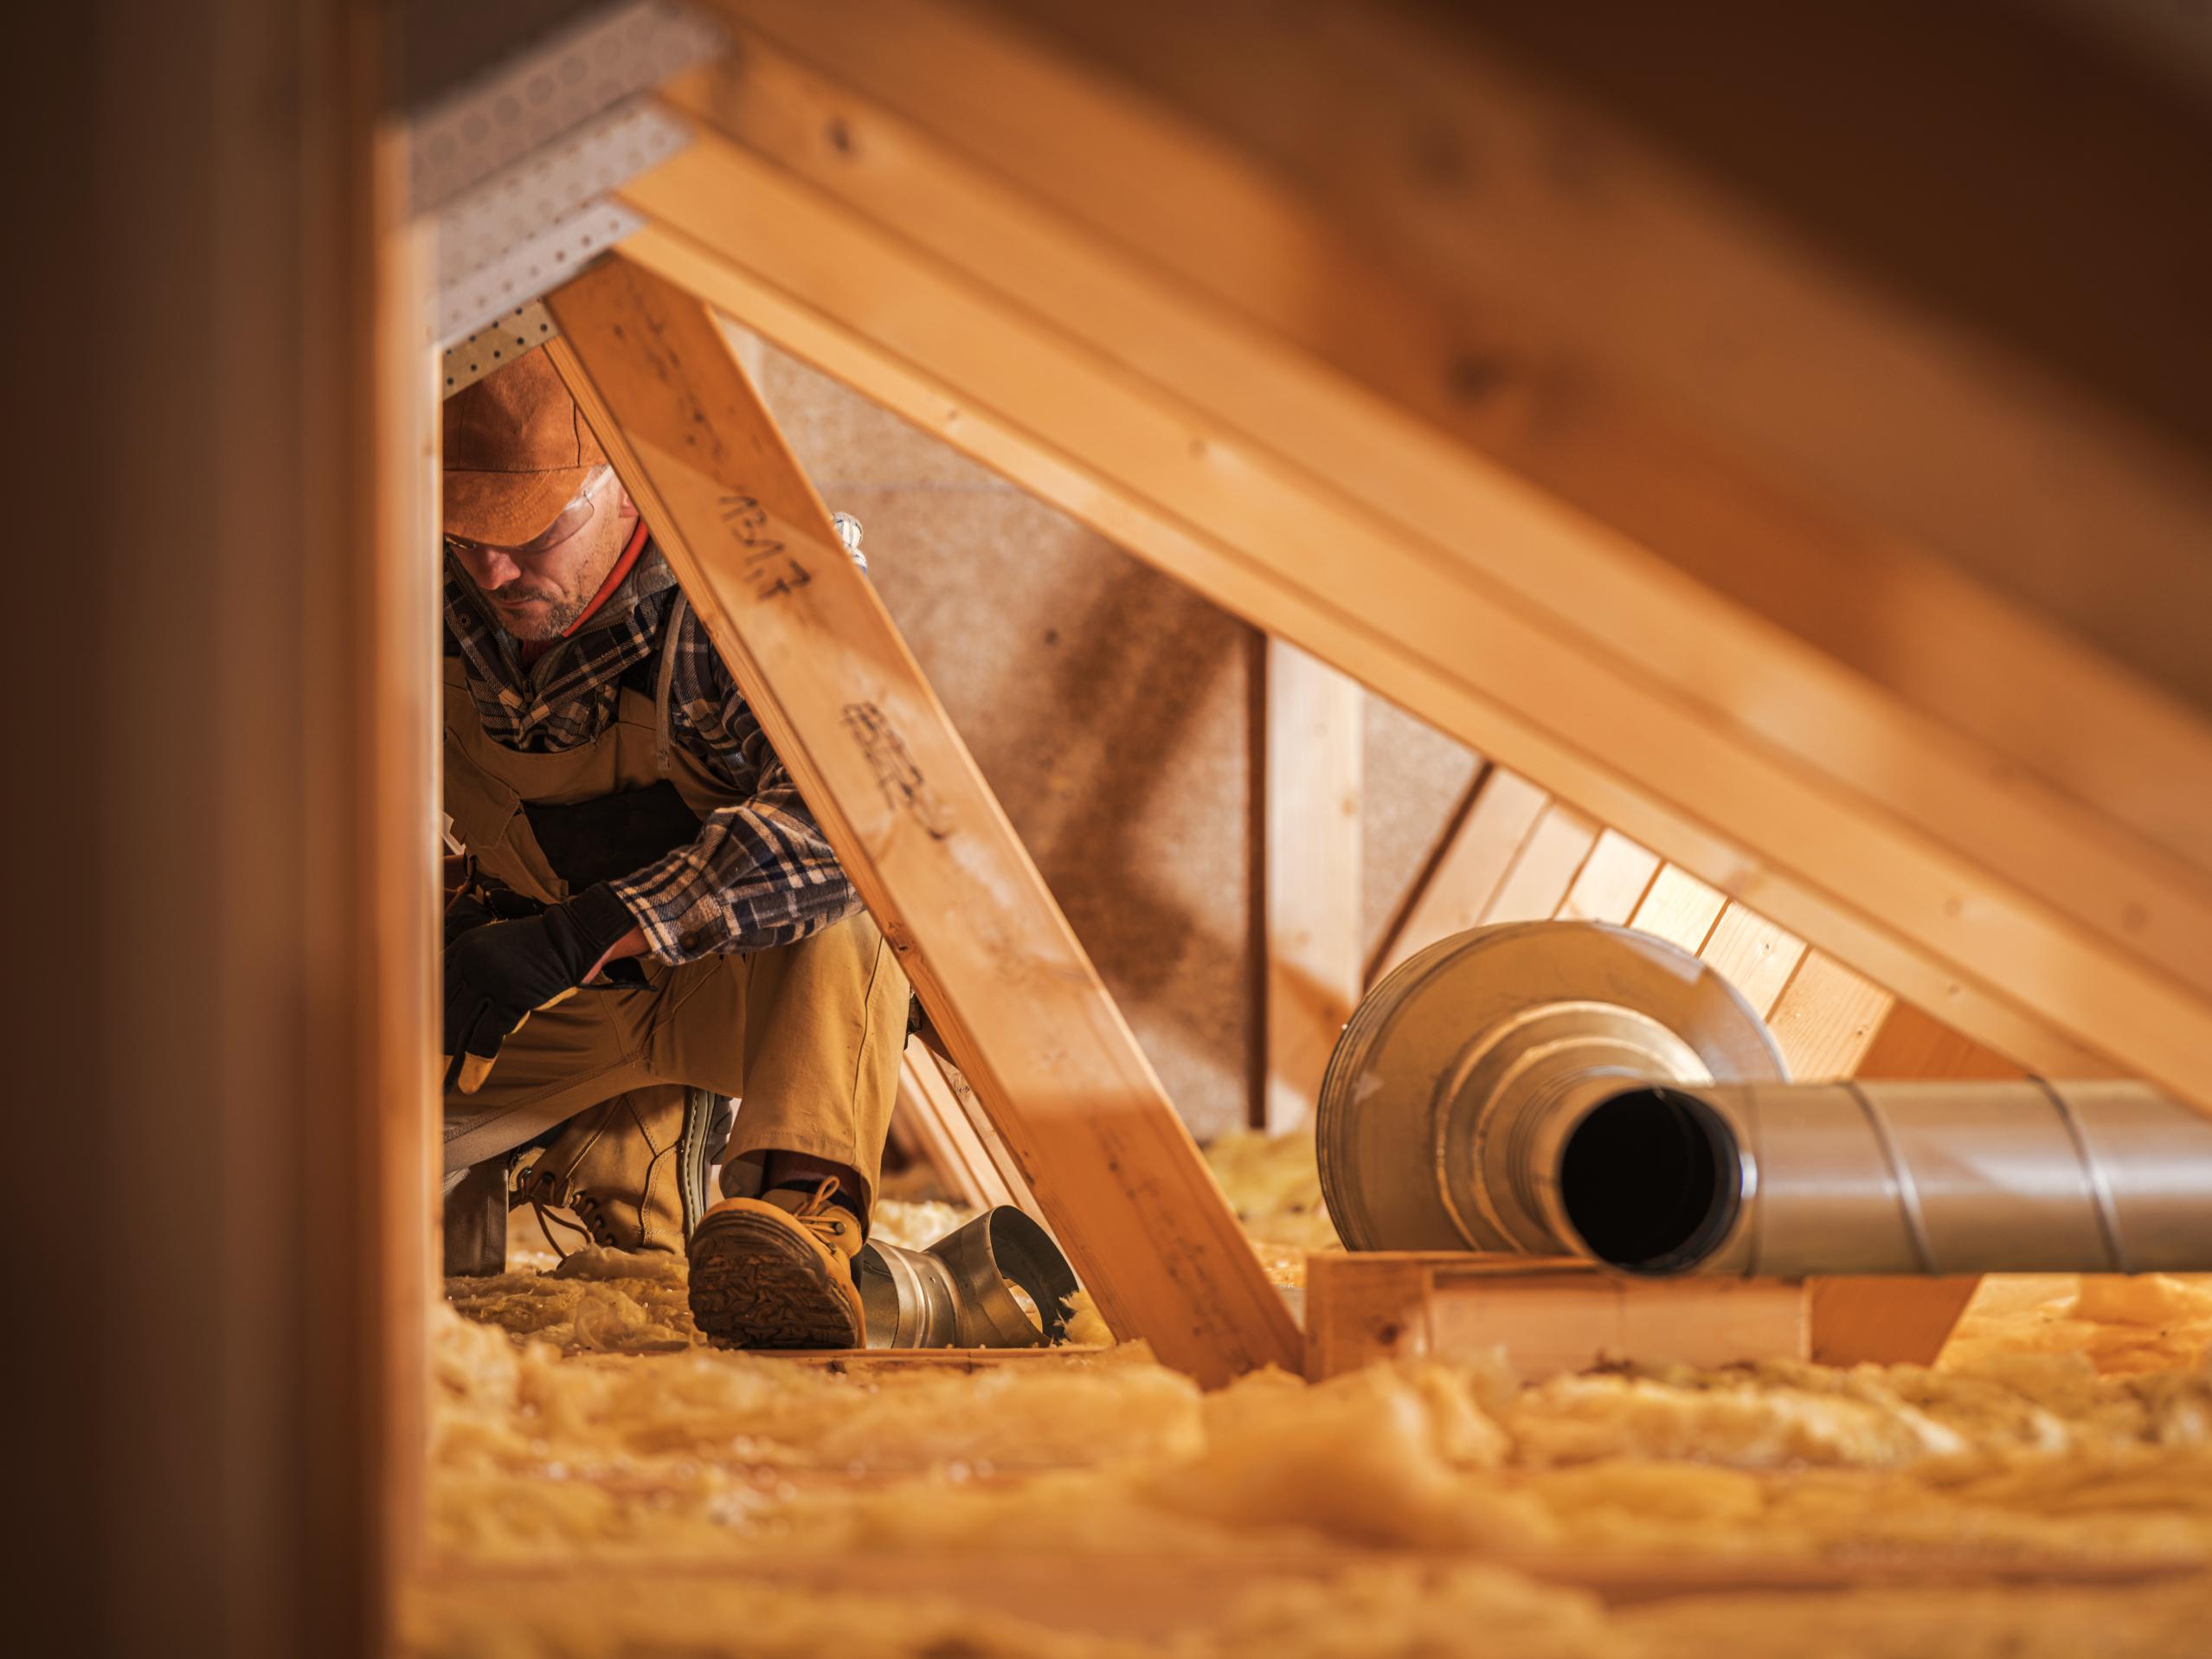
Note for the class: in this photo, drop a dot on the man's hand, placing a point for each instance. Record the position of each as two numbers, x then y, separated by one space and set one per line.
498 974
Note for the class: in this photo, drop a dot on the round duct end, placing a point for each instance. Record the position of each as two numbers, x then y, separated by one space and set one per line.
1651 1180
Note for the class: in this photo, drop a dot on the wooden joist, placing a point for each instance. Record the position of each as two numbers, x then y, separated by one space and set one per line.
1111 384
915 826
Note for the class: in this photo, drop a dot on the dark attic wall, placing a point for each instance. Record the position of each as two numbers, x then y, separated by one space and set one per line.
1115 714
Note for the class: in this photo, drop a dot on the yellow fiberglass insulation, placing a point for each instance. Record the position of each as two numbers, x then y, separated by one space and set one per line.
581 1422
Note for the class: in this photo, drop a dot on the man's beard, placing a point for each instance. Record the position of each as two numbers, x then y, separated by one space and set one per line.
560 614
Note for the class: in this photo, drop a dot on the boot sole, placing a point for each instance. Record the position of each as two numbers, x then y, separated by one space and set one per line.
755 1286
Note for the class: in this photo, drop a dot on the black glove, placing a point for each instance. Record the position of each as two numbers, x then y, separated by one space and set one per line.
465 913
498 974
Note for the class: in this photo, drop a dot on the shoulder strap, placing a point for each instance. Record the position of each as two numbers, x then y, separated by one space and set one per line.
677 607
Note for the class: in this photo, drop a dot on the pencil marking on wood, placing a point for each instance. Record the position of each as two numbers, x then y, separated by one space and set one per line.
770 568
897 774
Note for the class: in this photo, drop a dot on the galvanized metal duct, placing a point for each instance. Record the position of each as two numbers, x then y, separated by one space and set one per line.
961 1291
1572 1089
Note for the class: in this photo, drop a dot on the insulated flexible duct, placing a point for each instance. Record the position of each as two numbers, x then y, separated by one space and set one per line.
1572 1088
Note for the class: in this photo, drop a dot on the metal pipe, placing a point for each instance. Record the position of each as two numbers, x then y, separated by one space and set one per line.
1786 1179
1572 1089
960 1292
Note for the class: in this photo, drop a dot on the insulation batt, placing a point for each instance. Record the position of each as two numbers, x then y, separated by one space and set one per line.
580 1420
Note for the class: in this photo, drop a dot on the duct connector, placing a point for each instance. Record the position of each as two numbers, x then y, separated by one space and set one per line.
998 1282
1572 1088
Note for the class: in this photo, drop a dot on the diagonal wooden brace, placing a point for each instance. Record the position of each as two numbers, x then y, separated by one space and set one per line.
914 823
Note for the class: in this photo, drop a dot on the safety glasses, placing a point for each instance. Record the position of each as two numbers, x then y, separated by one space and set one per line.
574 520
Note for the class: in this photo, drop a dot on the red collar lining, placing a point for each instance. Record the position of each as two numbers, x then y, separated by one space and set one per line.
615 578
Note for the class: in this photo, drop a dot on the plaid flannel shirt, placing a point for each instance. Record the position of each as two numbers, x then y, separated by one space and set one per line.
759 874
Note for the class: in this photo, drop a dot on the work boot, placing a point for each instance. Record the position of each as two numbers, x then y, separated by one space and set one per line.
632 1170
475 1216
776 1271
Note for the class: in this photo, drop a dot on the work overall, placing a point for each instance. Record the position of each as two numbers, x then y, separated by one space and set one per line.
805 1036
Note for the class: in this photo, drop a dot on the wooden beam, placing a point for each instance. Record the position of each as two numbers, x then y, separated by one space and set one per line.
1624 465
1569 359
915 826
1658 227
1933 924
1458 884
1310 787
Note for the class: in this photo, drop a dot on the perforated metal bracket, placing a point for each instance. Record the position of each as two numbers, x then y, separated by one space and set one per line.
499 342
547 87
518 165
540 261
478 227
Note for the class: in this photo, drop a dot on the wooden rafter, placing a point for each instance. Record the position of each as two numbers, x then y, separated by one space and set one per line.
914 825
1974 922
1550 288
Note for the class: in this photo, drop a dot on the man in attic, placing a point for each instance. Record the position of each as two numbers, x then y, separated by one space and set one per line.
645 922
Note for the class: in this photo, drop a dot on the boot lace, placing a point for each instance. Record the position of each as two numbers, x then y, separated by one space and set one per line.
545 1193
821 1218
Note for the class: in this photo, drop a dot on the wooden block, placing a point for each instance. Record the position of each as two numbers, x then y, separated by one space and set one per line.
1885 1321
1549 1316
915 826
